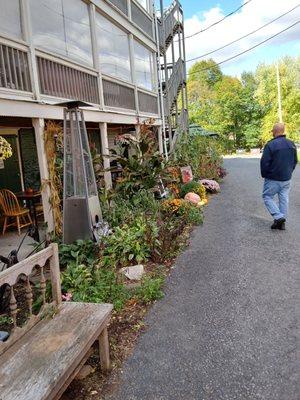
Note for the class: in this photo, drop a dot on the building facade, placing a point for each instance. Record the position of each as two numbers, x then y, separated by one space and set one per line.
111 54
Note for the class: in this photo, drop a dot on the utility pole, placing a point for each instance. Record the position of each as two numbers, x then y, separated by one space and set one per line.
279 92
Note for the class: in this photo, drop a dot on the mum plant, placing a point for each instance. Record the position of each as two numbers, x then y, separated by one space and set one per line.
5 149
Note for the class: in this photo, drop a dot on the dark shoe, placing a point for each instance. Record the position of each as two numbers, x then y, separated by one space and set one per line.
279 224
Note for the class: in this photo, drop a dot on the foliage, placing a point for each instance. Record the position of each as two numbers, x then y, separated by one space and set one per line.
5 149
191 213
94 285
142 166
118 210
150 289
244 110
5 320
195 187
129 244
203 154
81 251
172 206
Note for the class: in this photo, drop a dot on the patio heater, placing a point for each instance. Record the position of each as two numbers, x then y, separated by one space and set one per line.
81 207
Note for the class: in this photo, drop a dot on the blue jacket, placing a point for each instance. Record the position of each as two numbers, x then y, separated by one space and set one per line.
279 159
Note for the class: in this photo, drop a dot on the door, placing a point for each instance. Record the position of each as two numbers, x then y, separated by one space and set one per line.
10 176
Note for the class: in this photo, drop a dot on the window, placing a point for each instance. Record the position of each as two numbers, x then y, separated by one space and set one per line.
144 67
113 45
144 3
63 27
10 18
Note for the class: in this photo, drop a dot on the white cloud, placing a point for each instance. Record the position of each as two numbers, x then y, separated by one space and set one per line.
249 18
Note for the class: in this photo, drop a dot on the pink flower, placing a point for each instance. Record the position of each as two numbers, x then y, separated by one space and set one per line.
67 297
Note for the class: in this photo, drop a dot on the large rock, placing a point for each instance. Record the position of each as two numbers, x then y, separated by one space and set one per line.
134 273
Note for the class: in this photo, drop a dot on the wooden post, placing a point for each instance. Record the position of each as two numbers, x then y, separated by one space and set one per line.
55 275
38 125
105 154
104 350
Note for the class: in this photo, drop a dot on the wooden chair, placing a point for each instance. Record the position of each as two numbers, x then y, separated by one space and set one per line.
20 216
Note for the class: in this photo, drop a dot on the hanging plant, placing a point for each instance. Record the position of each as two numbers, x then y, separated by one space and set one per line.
5 149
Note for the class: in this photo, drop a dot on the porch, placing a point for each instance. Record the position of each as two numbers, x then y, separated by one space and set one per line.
27 169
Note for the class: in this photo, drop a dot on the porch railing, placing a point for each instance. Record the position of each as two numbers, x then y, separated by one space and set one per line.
65 82
171 22
175 82
14 69
116 95
148 103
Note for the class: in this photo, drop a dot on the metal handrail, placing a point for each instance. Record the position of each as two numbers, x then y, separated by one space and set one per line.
175 81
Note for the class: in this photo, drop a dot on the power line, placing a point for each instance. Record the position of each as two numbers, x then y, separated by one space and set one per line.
249 49
220 20
243 37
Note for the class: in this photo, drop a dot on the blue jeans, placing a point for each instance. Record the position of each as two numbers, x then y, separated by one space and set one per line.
272 188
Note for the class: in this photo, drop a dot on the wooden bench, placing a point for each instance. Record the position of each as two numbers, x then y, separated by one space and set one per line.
41 358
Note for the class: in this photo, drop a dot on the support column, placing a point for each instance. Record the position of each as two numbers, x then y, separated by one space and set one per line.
160 140
39 125
138 131
105 154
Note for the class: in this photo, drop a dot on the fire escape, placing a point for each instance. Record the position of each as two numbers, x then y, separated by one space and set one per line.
173 72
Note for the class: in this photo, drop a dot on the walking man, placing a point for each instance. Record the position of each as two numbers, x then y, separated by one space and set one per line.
278 162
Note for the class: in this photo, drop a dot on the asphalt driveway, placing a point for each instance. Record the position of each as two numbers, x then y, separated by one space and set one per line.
228 327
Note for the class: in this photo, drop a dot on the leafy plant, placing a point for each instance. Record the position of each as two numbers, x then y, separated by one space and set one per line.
194 187
127 244
5 320
81 251
142 166
150 289
191 213
94 285
76 279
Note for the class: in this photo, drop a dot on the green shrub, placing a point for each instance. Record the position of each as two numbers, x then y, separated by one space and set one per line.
94 285
150 289
194 187
128 244
191 213
81 251
203 154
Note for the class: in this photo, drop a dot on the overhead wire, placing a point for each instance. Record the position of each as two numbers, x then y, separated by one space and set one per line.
220 20
247 50
245 36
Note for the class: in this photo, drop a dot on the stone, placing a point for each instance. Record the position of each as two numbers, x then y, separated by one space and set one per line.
3 336
85 371
134 273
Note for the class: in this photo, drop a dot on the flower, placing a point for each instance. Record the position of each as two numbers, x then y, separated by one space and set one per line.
5 149
67 297
172 205
210 185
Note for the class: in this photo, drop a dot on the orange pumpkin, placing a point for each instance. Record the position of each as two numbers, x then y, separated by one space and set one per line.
192 198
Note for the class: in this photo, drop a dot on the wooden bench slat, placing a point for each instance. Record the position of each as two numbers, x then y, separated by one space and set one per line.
38 365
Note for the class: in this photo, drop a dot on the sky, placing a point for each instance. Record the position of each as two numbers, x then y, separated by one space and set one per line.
199 14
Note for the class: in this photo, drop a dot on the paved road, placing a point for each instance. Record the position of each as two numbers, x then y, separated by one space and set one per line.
228 326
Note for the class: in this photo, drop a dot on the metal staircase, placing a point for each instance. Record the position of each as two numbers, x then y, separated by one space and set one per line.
170 35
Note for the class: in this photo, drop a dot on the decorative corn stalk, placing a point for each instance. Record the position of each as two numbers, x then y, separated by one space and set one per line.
53 140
